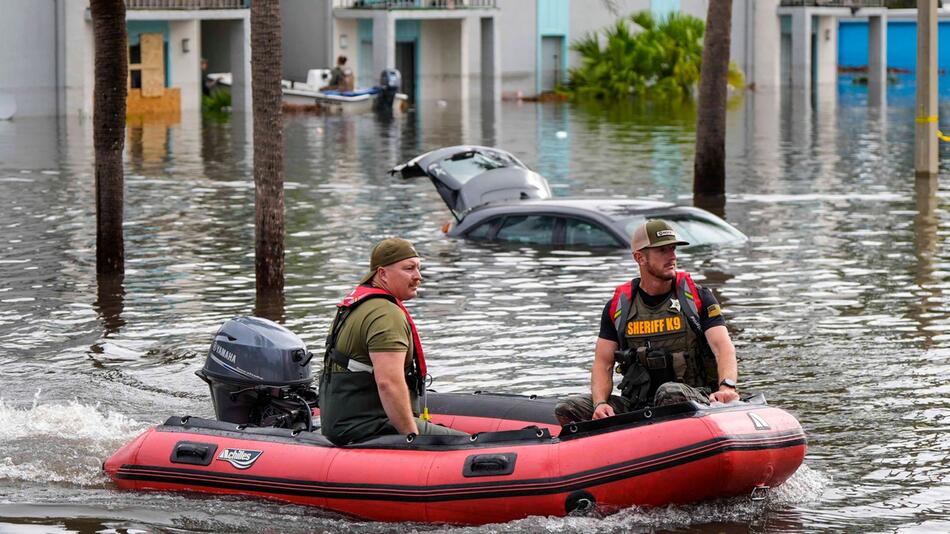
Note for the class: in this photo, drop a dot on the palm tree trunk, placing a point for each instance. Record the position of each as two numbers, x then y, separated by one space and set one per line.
111 89
709 167
268 149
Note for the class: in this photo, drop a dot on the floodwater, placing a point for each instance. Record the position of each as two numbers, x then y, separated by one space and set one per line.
838 304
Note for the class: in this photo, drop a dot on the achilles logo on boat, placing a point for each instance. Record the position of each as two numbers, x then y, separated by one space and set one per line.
758 422
240 458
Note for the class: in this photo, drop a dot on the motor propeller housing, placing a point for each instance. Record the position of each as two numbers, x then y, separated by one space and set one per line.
259 374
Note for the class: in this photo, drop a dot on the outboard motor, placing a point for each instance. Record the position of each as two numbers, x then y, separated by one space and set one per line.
389 83
259 374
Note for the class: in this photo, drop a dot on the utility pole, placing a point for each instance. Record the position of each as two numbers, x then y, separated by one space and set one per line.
926 149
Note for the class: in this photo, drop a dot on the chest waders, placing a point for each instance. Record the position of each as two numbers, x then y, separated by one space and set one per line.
661 344
350 407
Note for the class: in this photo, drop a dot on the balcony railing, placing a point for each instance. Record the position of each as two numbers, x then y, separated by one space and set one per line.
414 4
187 4
834 3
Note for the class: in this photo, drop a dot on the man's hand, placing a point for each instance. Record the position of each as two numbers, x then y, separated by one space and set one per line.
603 410
725 394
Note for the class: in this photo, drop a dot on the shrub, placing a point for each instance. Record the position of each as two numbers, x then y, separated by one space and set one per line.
663 60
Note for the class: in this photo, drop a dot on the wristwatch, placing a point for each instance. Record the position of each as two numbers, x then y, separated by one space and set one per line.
728 382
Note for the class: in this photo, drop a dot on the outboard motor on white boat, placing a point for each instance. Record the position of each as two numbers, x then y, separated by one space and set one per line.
259 374
390 81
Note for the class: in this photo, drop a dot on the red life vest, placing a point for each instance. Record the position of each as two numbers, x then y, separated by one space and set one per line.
363 292
623 297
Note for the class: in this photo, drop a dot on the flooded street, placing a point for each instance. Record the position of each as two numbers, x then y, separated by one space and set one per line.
838 304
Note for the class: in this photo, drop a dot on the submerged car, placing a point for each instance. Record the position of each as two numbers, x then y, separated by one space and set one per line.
495 197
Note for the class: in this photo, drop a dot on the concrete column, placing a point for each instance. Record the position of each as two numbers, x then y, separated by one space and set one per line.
764 44
801 48
185 68
78 52
877 49
240 35
384 42
826 71
925 153
877 59
466 30
491 60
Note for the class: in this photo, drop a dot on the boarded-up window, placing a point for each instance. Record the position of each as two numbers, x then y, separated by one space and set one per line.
147 65
153 64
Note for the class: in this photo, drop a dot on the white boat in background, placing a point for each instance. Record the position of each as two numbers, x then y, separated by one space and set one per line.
308 94
358 101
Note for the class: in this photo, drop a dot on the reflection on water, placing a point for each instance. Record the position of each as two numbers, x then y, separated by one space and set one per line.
837 305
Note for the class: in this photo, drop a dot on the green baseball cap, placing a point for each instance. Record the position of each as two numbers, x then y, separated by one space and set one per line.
655 233
387 252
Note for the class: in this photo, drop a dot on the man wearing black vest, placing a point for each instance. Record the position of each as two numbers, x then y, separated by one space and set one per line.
663 333
374 368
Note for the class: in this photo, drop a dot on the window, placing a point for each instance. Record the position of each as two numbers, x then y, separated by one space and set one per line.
482 231
466 165
527 229
582 233
694 229
703 232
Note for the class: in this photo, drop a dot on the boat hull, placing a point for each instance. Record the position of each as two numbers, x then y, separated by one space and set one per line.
669 455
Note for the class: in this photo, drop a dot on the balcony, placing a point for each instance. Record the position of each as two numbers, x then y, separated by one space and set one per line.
853 4
414 4
187 4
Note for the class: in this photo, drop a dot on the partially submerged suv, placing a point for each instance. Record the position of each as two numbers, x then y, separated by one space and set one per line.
496 197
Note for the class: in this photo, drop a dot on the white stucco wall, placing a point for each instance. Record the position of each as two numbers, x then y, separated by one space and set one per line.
757 41
307 37
440 60
80 54
185 67
28 56
517 26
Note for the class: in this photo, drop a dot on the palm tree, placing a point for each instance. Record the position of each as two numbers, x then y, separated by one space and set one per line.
709 167
268 155
108 117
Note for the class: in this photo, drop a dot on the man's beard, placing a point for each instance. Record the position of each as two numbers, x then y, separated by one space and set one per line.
660 274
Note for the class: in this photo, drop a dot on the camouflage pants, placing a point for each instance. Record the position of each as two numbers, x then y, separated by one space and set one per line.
580 408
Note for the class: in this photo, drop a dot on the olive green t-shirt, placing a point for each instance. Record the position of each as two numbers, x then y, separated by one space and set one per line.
376 325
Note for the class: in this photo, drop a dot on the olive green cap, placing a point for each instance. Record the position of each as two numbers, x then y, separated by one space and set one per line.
387 252
655 233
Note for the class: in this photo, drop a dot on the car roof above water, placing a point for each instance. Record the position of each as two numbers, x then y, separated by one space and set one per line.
614 208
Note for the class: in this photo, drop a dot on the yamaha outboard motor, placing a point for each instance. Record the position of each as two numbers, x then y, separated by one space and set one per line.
389 83
259 374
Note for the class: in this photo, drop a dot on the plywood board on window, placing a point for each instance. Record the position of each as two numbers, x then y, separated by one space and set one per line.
168 103
153 64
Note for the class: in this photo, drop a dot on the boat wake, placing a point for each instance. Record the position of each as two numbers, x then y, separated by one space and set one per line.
60 443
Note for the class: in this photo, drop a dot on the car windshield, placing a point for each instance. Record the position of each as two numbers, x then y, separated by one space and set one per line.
466 165
696 230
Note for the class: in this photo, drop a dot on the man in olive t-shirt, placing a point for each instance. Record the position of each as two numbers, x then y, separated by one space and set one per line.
373 351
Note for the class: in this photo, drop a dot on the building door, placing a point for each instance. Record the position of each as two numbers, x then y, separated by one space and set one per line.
406 63
364 73
551 62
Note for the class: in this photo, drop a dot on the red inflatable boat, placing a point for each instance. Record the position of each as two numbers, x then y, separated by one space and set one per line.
517 463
